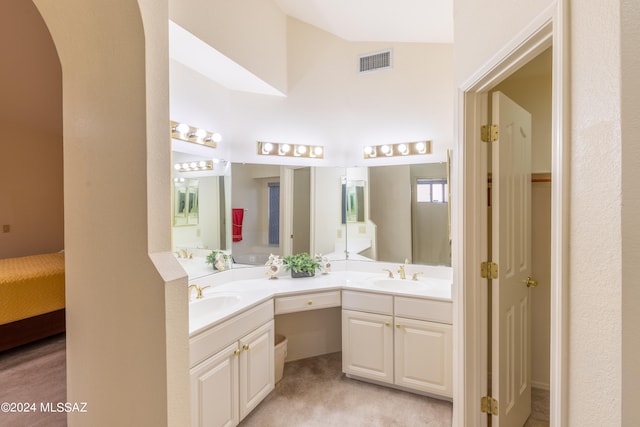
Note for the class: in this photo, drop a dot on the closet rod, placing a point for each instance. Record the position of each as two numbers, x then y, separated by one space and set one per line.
535 177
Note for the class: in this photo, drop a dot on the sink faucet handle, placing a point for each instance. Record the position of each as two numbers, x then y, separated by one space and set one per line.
193 286
415 276
198 290
388 271
401 272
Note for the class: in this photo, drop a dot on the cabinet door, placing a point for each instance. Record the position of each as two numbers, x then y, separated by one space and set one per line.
214 390
257 374
424 356
367 345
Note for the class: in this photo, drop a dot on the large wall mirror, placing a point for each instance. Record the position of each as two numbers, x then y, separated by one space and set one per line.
408 215
201 206
380 213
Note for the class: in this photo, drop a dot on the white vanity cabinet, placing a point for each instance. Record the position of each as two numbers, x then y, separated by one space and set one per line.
423 356
403 341
367 345
227 383
367 335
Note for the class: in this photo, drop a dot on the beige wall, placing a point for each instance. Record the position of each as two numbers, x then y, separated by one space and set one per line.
393 235
122 358
630 232
31 183
311 333
252 33
31 191
481 29
249 190
326 209
595 371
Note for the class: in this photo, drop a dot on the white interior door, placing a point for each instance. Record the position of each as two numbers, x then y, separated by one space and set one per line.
511 250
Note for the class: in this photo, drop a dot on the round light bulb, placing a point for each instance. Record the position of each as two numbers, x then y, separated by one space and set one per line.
185 166
177 166
200 133
402 148
285 148
420 146
202 164
216 137
268 147
385 149
182 128
302 149
317 151
368 150
193 165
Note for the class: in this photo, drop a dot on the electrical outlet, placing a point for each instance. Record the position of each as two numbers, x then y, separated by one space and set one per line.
6 228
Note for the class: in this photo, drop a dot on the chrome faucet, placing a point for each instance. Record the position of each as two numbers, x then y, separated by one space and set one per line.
198 290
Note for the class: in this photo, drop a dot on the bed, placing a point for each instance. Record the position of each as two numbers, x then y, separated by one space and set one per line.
32 299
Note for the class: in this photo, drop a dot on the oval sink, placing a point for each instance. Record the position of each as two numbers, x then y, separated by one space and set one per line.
212 304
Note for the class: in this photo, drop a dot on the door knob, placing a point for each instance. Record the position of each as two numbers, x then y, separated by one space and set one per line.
530 282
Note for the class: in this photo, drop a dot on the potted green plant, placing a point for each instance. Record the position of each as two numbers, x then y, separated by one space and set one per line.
301 265
219 260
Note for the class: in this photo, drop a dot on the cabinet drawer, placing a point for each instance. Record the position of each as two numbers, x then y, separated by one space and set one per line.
365 301
303 302
212 340
424 309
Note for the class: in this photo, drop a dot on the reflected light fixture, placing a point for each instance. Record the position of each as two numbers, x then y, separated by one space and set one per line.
194 166
399 149
290 150
184 132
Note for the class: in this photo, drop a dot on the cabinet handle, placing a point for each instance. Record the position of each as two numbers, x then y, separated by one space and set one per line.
237 352
387 324
398 326
309 302
246 346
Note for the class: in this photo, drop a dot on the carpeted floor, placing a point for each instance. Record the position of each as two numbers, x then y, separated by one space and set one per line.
314 392
34 374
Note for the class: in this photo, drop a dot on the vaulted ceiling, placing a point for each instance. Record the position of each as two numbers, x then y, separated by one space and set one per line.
424 21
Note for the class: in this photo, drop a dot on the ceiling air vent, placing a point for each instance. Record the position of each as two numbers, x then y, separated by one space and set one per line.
375 61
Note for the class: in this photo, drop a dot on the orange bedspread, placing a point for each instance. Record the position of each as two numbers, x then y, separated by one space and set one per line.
30 286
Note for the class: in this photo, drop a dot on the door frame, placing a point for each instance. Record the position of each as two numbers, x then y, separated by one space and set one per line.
550 28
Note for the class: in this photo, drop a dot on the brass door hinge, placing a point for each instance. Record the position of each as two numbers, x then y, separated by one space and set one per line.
489 405
489 133
489 270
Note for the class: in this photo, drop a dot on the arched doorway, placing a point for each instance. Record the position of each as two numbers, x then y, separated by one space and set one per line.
126 304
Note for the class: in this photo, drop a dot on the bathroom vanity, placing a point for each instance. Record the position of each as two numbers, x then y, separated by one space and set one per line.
396 333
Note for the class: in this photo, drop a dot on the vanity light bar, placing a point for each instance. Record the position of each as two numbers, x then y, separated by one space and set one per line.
395 150
290 150
184 132
194 166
